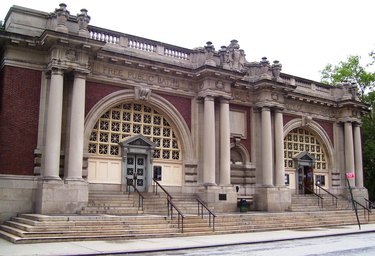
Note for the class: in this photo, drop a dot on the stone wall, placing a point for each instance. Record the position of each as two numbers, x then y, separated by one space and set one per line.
17 193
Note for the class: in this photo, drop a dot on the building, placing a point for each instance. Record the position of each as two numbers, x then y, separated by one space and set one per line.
88 109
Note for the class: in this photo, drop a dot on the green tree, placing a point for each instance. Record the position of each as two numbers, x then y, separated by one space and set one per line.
352 71
368 140
349 71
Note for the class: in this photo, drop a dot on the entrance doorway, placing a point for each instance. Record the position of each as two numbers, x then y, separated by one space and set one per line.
305 173
305 180
137 163
136 171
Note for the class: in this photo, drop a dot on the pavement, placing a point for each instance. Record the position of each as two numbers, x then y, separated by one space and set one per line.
174 243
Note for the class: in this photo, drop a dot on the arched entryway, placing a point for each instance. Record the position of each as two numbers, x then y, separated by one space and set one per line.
120 117
309 143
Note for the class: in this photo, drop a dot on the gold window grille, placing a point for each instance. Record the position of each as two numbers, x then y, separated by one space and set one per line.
131 119
300 140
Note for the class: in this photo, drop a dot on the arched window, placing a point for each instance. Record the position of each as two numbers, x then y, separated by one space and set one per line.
299 140
130 119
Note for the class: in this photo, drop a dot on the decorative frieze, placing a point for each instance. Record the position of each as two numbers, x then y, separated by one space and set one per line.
310 108
158 79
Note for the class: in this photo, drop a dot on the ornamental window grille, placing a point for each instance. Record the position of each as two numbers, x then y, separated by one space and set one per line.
299 140
131 119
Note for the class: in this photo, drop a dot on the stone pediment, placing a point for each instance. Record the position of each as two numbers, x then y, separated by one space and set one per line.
137 141
304 158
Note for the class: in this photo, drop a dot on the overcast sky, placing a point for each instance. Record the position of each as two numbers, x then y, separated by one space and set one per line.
304 35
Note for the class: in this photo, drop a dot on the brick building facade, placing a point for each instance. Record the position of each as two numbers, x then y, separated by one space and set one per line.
84 108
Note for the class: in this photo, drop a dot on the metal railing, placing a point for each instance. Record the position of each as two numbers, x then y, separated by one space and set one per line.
157 184
369 204
140 196
319 197
334 198
202 205
171 206
365 209
180 216
354 203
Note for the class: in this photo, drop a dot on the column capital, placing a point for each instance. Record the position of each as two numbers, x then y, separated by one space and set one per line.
266 108
278 110
57 71
225 100
209 98
79 74
357 124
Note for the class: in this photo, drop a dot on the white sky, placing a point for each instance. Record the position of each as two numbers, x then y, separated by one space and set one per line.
304 35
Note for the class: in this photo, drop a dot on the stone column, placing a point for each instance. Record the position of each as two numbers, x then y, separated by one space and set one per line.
349 150
358 156
53 126
267 147
224 143
76 129
279 148
209 141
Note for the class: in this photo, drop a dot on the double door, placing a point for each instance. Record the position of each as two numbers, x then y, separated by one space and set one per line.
136 171
305 180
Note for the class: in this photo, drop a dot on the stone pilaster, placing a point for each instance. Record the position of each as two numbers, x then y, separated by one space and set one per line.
266 147
53 127
209 142
358 156
77 117
349 150
224 143
279 149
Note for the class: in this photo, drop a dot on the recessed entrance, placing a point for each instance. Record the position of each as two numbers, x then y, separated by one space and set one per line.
136 171
137 159
305 173
305 180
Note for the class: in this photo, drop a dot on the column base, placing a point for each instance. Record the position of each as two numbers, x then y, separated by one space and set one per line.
359 194
219 199
73 180
58 197
272 199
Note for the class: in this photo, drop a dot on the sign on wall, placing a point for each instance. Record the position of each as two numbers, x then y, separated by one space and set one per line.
350 175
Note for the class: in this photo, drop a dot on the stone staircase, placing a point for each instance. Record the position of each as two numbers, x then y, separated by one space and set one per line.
113 203
35 228
308 203
117 216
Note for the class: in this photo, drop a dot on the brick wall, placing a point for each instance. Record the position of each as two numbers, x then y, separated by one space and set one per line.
327 127
19 114
183 105
97 91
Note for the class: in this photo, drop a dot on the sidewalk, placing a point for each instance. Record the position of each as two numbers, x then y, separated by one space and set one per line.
160 244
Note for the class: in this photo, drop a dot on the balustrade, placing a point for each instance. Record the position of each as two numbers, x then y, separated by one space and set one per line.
138 43
104 37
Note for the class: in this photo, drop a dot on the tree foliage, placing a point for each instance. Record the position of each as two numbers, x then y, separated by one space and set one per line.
349 71
368 141
352 71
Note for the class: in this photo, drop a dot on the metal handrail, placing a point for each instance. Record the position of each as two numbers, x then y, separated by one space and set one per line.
369 203
334 198
162 188
365 209
171 206
140 196
201 204
320 198
353 203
